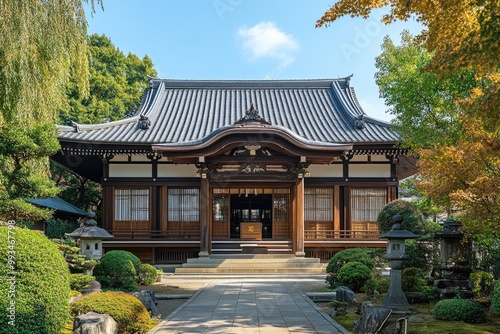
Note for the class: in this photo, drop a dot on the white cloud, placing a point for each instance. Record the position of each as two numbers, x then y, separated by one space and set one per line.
265 40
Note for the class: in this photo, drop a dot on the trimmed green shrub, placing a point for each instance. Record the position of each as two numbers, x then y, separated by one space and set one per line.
355 275
459 310
37 294
482 283
413 280
147 274
412 217
80 281
495 298
364 255
118 269
127 310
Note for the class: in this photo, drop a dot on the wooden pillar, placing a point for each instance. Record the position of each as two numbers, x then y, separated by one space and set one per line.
336 211
299 214
204 218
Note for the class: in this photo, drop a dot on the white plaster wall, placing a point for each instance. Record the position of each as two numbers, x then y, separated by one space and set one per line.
363 157
176 170
379 157
120 157
370 170
129 170
334 170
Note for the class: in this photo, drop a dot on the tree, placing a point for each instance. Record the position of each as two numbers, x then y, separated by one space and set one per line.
117 83
41 44
425 107
462 36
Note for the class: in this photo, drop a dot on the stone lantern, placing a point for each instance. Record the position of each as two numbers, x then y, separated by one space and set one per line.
455 265
90 237
395 298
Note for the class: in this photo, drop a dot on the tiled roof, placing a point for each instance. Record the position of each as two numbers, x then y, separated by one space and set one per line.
182 111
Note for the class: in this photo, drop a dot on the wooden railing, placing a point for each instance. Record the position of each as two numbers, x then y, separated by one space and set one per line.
155 235
340 234
196 235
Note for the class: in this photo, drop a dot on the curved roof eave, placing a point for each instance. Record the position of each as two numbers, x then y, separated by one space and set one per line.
253 128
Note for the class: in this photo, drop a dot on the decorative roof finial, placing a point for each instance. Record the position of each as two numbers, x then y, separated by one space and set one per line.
144 122
252 115
359 122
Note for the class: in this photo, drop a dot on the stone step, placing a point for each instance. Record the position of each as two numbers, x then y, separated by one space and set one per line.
252 265
225 271
270 261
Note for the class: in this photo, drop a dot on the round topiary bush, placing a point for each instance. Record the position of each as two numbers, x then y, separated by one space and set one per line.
118 269
459 310
127 310
355 275
363 255
36 290
147 274
412 222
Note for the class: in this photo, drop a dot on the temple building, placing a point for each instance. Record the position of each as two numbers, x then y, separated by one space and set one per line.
240 166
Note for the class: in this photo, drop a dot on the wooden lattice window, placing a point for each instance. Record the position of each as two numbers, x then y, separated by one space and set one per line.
131 204
318 211
183 204
220 214
281 213
131 209
366 204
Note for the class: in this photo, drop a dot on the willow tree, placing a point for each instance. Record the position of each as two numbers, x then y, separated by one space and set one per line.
462 37
42 45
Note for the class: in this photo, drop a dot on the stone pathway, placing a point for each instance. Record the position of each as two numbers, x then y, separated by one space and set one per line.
249 306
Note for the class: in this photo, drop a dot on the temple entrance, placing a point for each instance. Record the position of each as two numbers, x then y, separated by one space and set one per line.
251 214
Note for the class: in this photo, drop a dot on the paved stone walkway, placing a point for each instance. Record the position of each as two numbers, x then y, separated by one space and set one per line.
248 306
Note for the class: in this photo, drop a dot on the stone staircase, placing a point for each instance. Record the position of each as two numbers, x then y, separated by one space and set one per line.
252 264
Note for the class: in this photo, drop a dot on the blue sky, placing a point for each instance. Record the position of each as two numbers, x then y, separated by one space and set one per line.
250 39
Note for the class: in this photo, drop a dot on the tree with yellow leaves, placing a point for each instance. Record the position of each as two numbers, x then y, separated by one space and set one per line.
462 36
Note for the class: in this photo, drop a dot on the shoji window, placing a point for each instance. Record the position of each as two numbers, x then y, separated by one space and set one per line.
183 204
131 205
366 203
318 204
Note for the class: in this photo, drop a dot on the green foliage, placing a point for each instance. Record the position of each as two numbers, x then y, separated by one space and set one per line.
425 108
413 280
459 310
490 259
355 275
127 310
42 42
116 84
367 256
147 274
80 281
118 269
40 287
76 189
495 299
412 218
482 283
55 228
421 254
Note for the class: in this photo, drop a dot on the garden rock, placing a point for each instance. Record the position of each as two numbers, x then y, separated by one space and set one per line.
344 294
148 299
95 323
94 286
372 319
